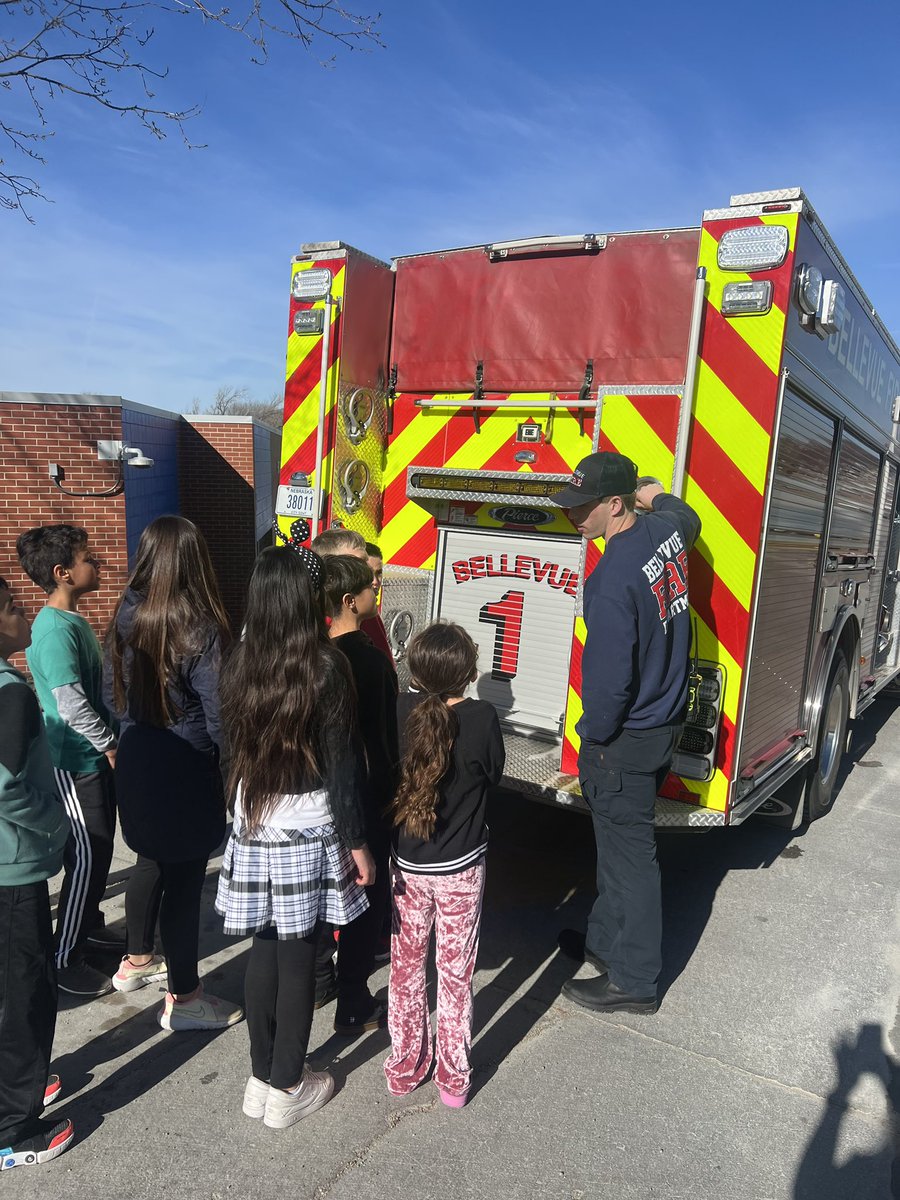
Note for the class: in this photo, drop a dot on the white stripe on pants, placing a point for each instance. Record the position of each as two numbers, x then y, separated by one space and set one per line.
67 934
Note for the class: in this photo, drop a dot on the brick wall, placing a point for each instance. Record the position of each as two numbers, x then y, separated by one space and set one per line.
33 435
216 484
202 468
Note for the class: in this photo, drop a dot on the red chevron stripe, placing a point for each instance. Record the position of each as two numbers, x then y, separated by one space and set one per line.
418 549
741 369
726 617
304 457
661 414
405 412
302 381
729 490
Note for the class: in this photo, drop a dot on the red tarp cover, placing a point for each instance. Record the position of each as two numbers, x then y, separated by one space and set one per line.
535 320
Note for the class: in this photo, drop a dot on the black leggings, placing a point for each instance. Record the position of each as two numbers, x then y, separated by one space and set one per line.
171 892
279 990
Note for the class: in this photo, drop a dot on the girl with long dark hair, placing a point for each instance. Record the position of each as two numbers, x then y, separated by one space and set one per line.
452 752
163 656
297 855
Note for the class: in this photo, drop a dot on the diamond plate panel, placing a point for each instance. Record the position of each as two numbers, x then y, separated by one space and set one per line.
365 443
778 196
405 609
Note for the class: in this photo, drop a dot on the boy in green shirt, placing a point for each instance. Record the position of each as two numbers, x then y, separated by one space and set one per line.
66 664
33 831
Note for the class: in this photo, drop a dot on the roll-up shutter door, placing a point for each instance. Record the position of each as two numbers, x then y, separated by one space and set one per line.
788 582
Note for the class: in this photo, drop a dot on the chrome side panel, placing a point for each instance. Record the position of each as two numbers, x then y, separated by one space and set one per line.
887 647
788 584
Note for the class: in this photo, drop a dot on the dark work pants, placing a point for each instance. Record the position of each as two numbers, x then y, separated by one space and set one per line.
359 940
27 1007
279 989
171 892
90 803
620 780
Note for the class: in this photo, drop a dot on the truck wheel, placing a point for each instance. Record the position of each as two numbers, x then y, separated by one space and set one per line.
832 742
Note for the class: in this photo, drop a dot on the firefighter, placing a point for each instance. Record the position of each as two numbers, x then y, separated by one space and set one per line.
635 680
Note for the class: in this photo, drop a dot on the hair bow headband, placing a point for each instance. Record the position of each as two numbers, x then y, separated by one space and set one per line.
310 560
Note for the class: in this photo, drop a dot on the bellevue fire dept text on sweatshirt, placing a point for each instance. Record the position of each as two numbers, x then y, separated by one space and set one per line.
635 662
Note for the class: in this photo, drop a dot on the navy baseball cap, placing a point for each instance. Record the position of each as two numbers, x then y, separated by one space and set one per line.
596 477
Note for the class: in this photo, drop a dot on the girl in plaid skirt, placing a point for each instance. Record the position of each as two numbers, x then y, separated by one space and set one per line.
297 854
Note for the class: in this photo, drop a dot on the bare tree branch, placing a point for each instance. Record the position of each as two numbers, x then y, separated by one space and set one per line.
230 401
101 53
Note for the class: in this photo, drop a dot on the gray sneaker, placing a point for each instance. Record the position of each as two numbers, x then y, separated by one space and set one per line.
286 1108
203 1012
78 979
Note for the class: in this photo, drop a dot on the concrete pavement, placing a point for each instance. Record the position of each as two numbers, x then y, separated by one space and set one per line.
768 1074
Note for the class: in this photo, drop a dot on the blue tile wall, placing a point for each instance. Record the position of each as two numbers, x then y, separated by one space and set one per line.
153 491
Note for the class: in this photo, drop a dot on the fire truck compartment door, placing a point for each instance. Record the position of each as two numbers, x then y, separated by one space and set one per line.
515 594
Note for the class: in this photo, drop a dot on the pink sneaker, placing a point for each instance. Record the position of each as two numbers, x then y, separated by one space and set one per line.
130 977
452 1101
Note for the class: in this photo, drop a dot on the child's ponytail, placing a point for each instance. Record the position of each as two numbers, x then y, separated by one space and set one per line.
430 733
443 661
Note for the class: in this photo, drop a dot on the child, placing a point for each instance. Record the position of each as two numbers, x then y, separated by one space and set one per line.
374 626
297 854
164 651
350 593
337 541
452 753
33 833
66 664
348 541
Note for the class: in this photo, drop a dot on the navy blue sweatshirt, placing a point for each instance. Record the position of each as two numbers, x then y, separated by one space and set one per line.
635 662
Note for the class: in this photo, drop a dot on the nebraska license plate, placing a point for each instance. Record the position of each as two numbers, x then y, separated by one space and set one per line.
294 501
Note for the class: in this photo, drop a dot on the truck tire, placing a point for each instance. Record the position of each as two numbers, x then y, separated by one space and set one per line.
820 788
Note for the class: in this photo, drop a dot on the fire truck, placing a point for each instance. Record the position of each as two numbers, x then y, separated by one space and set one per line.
438 402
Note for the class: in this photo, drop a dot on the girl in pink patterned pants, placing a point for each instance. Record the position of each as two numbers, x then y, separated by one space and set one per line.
452 753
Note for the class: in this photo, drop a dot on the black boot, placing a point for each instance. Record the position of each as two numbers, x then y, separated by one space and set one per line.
602 995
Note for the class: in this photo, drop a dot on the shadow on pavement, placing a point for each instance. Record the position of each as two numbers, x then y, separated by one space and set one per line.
861 1176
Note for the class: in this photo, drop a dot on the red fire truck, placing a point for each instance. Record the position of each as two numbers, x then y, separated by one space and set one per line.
438 402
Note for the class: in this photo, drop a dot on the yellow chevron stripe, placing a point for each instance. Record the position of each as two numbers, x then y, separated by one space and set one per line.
763 334
566 438
713 794
405 449
725 550
305 418
727 421
631 435
789 220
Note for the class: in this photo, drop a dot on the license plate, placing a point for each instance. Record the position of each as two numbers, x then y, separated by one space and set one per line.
294 501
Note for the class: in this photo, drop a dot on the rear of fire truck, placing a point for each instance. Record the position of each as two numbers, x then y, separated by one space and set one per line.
437 403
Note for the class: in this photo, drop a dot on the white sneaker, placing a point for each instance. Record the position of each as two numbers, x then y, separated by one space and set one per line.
256 1093
286 1108
130 977
203 1012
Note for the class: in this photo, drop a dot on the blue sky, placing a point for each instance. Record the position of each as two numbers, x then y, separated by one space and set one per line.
161 274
